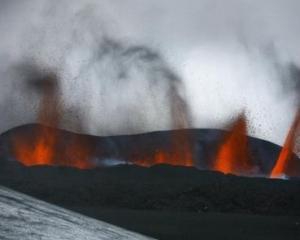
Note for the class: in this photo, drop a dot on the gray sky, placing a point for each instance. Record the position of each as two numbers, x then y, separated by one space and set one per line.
231 56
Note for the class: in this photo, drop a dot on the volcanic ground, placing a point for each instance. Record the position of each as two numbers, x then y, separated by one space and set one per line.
204 144
163 201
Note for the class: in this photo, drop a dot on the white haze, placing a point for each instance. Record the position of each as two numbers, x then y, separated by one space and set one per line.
232 56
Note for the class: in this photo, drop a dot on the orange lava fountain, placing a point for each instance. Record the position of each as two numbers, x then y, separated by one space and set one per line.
286 155
233 154
44 146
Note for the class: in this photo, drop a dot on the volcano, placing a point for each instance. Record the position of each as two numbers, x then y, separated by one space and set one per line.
147 149
126 176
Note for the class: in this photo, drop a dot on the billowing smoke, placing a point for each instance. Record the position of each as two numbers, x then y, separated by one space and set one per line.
126 101
294 78
116 88
136 91
113 62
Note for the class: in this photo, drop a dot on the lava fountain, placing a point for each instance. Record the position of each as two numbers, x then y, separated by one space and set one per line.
233 155
286 156
45 145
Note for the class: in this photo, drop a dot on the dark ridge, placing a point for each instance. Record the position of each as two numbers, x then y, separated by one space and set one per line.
160 187
124 148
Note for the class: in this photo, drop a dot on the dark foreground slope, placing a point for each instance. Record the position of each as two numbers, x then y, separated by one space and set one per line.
163 201
168 202
160 187
194 226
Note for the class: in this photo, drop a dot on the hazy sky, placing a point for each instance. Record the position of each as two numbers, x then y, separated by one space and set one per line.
231 56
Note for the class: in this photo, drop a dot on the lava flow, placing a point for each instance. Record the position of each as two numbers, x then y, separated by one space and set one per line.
178 152
286 155
44 145
233 154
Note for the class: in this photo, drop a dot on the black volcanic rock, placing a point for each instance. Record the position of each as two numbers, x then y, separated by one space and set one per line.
160 187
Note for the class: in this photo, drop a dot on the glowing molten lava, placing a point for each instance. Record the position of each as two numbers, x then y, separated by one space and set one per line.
178 153
46 145
79 152
39 151
233 154
287 152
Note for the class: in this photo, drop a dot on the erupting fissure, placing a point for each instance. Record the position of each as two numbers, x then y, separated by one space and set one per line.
45 145
178 153
180 148
233 155
286 155
48 146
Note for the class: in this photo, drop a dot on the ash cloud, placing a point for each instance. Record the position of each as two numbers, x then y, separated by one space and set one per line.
118 88
134 90
113 60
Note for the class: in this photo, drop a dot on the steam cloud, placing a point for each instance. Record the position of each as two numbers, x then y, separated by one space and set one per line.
108 86
113 58
127 67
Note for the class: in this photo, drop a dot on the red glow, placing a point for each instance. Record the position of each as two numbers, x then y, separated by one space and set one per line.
287 151
179 153
233 154
45 146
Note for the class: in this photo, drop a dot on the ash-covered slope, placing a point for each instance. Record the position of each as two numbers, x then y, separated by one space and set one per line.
26 218
160 187
127 148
